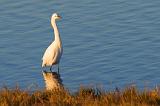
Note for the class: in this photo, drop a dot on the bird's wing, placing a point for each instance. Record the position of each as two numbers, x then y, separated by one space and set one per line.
49 53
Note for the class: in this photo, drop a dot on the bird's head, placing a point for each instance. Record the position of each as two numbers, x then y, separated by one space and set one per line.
55 16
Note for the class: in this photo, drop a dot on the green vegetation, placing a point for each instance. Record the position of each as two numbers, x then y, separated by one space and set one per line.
85 96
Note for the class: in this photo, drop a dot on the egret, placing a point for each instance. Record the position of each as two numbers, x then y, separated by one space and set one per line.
53 53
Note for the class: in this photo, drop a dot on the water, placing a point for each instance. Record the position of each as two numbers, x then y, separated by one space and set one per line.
109 43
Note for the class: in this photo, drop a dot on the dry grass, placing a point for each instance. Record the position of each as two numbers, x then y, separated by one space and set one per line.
85 96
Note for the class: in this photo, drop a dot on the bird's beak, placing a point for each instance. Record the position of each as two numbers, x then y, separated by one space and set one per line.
59 17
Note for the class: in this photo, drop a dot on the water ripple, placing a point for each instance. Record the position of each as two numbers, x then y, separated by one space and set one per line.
112 43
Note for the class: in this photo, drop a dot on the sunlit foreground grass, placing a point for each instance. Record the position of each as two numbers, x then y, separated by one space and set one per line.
85 96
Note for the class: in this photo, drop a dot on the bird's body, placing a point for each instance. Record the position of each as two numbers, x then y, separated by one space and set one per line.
53 53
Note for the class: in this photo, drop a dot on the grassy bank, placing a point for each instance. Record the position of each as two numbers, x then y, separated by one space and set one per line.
85 96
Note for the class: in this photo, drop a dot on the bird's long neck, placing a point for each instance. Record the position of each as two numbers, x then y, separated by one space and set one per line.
56 32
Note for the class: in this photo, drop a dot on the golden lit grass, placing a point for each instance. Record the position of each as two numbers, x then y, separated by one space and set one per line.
85 96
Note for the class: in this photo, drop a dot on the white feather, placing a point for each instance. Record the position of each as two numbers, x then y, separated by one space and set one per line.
53 53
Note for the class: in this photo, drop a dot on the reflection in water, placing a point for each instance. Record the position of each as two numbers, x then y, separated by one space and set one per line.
52 80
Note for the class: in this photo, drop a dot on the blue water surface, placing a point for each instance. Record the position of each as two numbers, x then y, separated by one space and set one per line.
111 43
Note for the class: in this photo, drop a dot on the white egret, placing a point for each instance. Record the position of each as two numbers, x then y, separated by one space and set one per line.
53 53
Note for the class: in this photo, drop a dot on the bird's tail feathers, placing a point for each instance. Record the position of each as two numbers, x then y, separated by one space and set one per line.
43 64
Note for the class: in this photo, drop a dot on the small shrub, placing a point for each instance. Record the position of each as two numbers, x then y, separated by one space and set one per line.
85 96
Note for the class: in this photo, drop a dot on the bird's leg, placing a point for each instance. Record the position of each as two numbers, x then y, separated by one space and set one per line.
58 69
51 68
43 69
